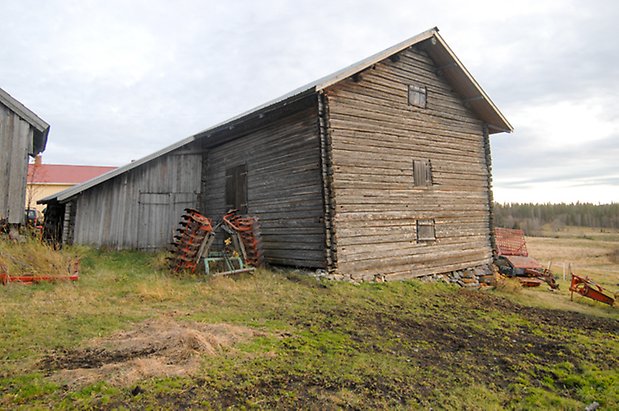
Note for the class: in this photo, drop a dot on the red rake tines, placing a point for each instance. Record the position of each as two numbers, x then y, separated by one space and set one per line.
248 229
192 234
510 242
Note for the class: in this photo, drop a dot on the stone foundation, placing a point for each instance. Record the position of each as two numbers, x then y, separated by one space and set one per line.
480 276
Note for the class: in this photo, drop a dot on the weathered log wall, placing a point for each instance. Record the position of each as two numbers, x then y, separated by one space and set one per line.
284 187
376 135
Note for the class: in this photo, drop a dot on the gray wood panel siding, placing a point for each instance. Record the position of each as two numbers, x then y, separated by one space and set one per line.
140 208
284 187
16 139
376 134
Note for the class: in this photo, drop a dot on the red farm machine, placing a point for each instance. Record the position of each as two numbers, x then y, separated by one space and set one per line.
587 288
241 245
512 259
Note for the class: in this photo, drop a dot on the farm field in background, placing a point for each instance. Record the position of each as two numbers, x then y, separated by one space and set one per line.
128 334
589 251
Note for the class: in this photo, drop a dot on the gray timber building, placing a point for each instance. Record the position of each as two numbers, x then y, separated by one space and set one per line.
22 134
382 168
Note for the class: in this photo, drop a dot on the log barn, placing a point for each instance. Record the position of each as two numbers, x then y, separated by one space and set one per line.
382 168
22 134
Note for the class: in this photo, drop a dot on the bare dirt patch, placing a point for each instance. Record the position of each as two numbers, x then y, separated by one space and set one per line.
156 347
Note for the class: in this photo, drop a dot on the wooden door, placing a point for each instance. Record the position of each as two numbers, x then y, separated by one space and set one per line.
236 188
158 217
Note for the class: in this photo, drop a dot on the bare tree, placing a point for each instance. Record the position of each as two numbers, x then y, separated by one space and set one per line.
35 174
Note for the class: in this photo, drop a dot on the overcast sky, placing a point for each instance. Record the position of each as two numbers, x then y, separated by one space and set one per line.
118 80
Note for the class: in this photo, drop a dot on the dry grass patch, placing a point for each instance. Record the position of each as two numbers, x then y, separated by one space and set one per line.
159 289
594 258
33 257
156 347
508 285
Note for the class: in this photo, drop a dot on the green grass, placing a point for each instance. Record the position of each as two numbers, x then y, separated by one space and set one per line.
322 344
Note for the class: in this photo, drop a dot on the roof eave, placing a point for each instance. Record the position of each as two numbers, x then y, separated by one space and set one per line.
353 69
258 111
319 84
40 141
75 190
497 122
24 112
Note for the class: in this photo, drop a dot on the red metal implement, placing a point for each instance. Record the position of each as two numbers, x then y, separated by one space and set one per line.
513 259
510 242
73 270
193 235
586 287
248 228
31 279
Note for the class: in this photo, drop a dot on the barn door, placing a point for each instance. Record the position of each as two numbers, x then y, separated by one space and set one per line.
158 216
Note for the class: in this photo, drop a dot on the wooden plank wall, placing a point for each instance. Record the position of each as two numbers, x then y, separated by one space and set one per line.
284 186
110 214
15 144
375 136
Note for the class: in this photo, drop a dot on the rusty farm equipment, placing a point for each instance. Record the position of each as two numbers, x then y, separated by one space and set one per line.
195 237
73 275
512 259
587 288
247 230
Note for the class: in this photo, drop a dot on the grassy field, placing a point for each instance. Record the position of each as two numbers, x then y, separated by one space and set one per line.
590 252
129 335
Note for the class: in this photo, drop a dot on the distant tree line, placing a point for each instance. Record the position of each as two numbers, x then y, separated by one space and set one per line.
531 217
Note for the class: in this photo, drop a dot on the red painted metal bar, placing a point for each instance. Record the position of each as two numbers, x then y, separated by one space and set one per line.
587 288
29 279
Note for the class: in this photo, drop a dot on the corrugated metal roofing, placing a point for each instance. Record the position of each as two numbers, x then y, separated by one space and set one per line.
457 75
70 192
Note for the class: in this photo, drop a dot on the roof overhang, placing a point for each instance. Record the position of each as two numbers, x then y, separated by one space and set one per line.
452 69
449 66
73 191
41 128
430 41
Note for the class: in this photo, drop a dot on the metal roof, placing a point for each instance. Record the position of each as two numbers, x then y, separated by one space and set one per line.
70 192
42 128
453 70
518 261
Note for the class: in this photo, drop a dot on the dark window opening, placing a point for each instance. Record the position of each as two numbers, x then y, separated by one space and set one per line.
422 173
236 188
417 96
425 230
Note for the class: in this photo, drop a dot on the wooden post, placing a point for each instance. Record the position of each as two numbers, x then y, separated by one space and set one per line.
563 271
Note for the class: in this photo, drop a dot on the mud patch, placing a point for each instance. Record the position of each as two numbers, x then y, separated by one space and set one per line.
541 316
157 347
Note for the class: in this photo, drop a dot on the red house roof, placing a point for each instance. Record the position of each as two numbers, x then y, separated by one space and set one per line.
64 174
